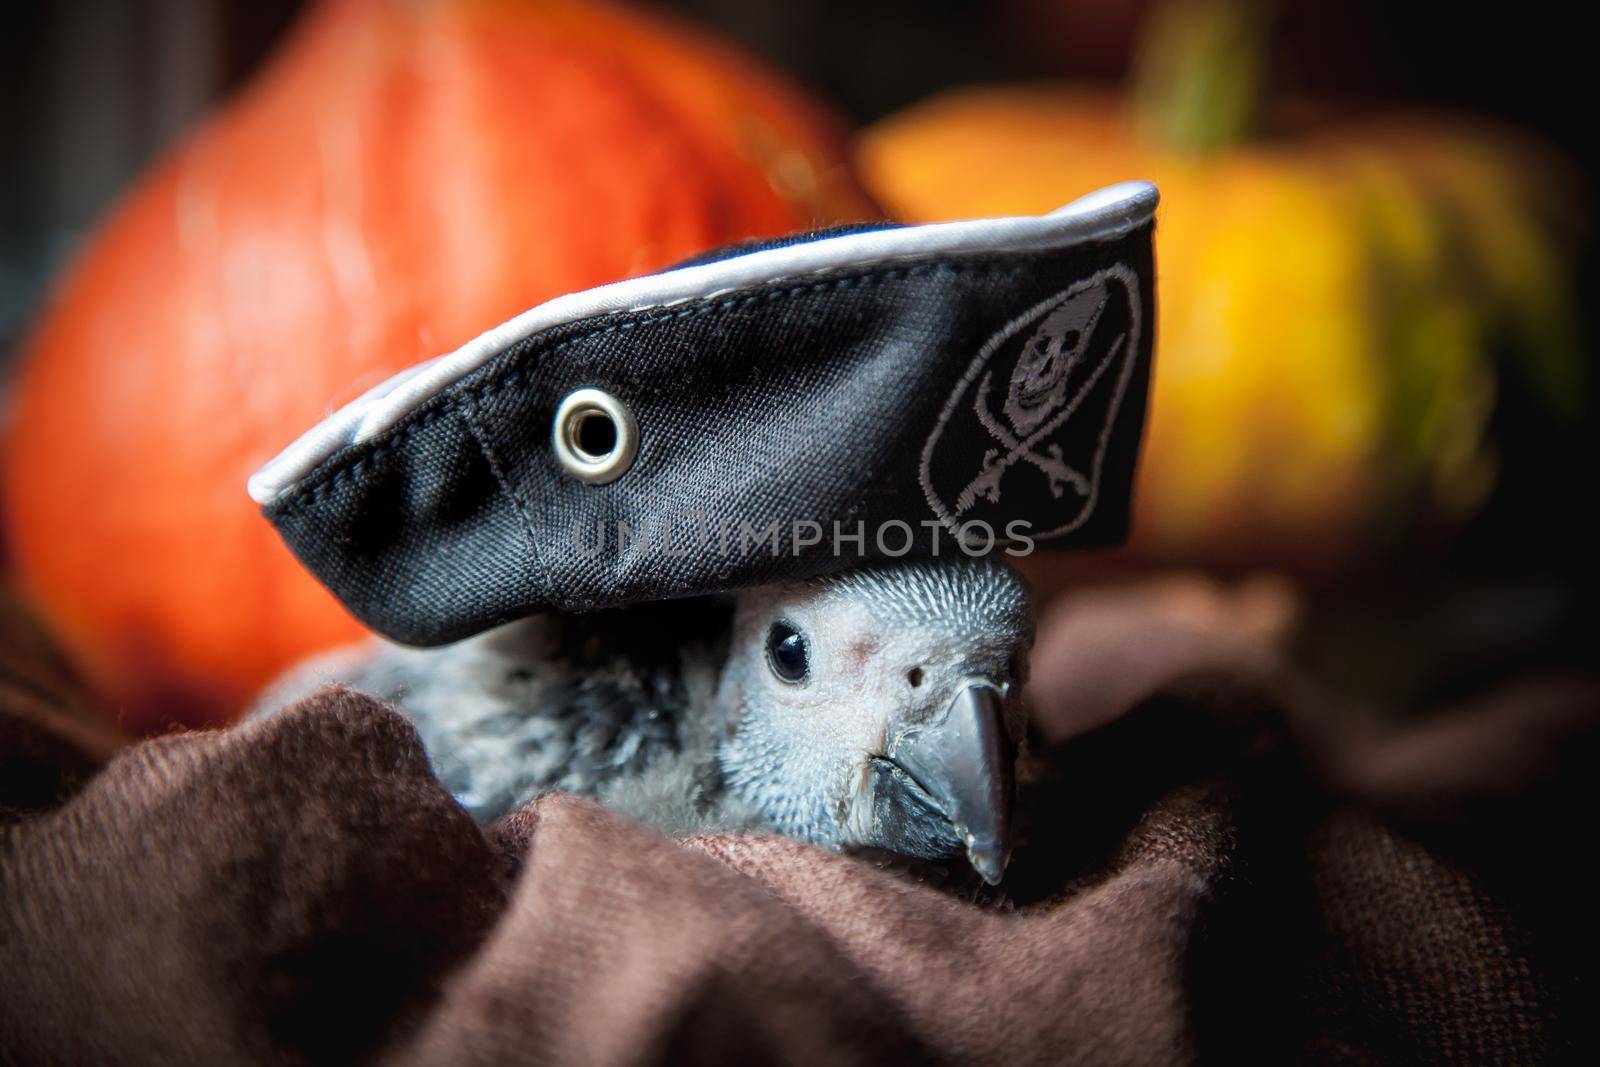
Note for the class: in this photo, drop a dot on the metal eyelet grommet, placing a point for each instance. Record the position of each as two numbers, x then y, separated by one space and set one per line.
595 436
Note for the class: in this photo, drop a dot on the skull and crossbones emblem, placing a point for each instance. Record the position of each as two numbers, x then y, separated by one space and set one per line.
1045 386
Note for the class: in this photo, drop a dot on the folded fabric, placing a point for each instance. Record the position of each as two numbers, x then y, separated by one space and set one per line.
299 889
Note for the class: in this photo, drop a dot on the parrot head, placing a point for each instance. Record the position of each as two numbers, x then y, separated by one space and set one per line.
883 708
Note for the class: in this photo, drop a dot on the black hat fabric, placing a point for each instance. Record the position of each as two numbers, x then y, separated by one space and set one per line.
775 412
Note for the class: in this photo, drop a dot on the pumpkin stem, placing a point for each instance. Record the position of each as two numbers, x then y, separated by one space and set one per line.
1200 73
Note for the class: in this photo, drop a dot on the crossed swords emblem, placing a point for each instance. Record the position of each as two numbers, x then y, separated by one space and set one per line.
1037 402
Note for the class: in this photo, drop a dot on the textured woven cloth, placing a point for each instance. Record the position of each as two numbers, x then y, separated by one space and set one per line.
1219 864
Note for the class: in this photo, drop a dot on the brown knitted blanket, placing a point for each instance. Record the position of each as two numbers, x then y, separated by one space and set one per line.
1221 863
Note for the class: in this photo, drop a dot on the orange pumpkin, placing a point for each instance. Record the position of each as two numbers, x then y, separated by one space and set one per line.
405 174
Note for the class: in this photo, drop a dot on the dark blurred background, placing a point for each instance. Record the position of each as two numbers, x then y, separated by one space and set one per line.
93 90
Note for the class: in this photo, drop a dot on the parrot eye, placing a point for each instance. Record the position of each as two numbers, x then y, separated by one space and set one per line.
786 652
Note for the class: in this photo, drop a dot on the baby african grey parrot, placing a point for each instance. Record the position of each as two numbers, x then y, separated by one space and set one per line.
877 709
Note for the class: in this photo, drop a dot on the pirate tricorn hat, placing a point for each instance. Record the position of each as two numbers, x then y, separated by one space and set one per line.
769 412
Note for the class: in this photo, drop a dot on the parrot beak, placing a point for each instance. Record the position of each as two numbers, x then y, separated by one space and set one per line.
947 785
